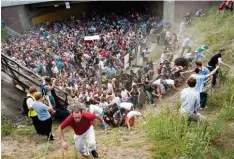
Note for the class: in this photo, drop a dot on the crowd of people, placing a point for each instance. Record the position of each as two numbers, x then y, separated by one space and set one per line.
59 53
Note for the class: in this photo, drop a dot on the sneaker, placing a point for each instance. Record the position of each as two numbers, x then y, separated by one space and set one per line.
95 154
50 138
86 154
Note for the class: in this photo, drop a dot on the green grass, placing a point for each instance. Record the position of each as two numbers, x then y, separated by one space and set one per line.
4 35
7 127
214 139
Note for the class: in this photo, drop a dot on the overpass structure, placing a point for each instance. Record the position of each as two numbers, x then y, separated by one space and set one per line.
20 15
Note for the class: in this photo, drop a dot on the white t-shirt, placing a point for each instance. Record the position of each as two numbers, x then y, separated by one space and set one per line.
126 105
95 109
157 82
29 102
55 70
116 100
170 82
110 87
182 26
132 114
103 105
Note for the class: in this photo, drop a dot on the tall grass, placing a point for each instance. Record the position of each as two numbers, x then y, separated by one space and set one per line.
172 138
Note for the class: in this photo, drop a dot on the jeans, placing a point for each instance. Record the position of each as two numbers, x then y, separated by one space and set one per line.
214 78
150 96
199 56
62 113
135 100
52 100
203 97
80 143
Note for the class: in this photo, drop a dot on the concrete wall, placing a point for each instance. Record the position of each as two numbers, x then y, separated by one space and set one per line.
14 18
168 11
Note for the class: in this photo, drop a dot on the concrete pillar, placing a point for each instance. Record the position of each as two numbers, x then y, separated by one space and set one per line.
168 11
24 19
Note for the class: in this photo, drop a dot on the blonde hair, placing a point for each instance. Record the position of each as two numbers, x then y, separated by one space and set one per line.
37 95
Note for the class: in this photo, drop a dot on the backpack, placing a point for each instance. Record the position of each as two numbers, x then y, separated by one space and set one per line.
25 106
42 89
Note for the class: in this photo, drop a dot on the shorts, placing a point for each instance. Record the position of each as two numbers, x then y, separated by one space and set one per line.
131 121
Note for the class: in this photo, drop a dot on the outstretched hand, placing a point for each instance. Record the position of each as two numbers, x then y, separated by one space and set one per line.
65 146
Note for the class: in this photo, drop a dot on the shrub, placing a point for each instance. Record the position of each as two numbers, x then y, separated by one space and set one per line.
7 127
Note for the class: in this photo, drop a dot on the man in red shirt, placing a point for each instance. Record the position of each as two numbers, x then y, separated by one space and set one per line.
82 124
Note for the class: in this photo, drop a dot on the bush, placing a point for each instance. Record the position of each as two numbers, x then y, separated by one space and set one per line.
7 127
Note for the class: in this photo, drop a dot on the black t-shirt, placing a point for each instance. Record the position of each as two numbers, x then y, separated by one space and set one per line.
214 60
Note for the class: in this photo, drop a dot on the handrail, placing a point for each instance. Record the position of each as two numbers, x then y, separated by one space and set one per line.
29 78
11 31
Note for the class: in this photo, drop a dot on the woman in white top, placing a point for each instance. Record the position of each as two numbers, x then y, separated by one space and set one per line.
125 95
129 121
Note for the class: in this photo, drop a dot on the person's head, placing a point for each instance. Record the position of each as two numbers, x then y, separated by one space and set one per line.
198 63
32 90
122 110
197 70
48 80
222 50
103 99
153 86
207 43
38 96
77 114
191 82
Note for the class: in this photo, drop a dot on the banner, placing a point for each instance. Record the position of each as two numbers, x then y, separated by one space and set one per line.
67 5
126 61
95 37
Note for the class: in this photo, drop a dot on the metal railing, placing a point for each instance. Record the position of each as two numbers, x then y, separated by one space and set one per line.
24 77
11 31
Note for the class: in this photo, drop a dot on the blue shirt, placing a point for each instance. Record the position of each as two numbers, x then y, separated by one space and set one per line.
200 82
42 111
205 71
60 65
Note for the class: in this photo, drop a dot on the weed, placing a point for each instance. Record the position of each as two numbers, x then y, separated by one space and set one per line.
7 127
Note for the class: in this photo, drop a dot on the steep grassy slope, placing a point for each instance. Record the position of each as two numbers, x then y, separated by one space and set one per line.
215 139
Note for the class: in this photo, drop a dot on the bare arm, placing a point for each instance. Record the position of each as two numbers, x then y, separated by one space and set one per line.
127 122
62 138
221 62
99 118
213 72
174 87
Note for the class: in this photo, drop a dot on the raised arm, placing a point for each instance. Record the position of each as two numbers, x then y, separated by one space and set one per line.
213 72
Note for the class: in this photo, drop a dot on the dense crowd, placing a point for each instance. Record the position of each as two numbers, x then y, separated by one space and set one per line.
61 55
